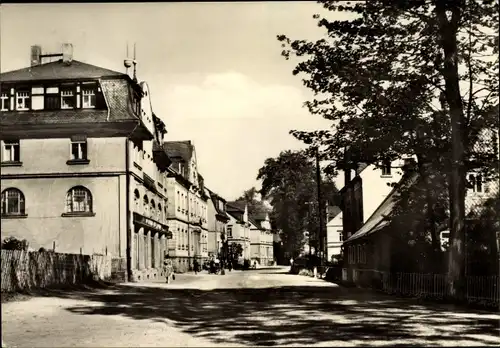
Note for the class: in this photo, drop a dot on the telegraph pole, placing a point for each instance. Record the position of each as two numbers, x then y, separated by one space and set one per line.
320 205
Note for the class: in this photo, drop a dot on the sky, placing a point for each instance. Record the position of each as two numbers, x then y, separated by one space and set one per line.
215 71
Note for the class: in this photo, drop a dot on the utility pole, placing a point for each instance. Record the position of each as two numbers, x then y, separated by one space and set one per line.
320 205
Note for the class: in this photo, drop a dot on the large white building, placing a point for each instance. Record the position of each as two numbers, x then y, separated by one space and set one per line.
187 212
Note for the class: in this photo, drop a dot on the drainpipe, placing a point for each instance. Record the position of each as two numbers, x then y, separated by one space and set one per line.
127 207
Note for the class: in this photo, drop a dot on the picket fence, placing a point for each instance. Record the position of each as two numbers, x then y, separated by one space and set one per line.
23 270
479 289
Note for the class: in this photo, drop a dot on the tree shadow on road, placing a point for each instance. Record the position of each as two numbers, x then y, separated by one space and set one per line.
297 315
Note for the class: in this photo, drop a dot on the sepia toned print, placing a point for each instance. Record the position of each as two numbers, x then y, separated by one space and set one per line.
250 174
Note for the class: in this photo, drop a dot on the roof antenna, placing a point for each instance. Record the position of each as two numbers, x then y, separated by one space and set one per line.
135 66
127 62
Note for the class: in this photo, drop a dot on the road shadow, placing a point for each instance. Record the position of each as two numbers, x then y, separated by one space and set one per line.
290 315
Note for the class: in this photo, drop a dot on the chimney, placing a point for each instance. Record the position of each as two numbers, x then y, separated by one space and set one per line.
67 52
36 52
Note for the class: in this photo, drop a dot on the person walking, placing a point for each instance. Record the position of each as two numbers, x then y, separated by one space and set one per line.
168 269
195 266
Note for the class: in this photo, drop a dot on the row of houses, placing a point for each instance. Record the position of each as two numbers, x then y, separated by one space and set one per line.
87 168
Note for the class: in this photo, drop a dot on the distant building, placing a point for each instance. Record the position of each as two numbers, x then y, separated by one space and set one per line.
238 227
334 234
83 169
217 221
187 214
261 239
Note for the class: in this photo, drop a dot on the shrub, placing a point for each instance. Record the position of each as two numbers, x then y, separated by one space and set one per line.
12 243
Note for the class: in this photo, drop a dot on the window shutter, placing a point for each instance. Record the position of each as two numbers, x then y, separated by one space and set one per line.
28 103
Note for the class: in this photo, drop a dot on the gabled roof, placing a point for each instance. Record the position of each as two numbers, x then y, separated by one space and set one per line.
215 198
183 149
59 70
379 218
235 206
333 212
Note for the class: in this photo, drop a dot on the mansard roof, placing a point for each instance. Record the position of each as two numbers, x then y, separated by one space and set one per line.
59 70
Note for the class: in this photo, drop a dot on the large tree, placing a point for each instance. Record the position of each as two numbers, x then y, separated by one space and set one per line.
289 183
408 77
253 200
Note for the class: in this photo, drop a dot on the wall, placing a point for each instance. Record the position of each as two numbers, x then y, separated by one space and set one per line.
27 270
43 156
376 188
333 237
45 201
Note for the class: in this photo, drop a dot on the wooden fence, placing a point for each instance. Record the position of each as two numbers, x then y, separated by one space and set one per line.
479 289
27 270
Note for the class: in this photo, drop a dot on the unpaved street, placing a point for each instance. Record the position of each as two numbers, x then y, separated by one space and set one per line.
258 307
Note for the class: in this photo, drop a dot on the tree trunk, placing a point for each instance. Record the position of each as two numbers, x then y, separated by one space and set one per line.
431 203
448 42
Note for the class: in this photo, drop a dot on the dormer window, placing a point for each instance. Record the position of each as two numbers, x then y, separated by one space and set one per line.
88 98
67 99
23 100
5 101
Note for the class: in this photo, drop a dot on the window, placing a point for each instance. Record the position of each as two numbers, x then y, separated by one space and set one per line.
52 100
136 198
78 150
79 201
22 100
476 182
145 202
11 151
37 99
12 202
5 99
153 208
67 99
229 231
386 168
88 98
340 235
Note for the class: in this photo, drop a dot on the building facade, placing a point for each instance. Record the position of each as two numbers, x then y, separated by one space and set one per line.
217 221
334 234
238 228
69 134
187 215
261 239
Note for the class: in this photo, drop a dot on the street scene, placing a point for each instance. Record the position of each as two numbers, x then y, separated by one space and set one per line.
266 307
267 173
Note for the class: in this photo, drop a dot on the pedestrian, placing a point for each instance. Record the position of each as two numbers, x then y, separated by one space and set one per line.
168 269
195 266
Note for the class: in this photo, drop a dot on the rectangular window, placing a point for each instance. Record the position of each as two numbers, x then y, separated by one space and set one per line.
68 99
88 98
229 231
340 235
52 101
23 100
78 150
386 169
11 151
5 99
